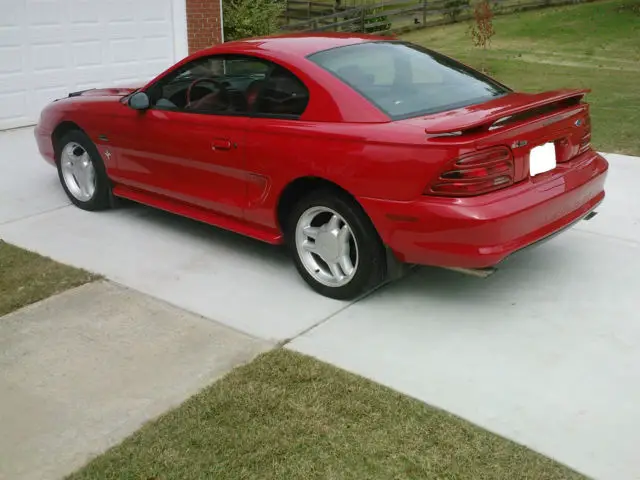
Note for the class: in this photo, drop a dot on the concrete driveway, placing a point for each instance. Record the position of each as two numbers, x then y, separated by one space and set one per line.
217 274
544 352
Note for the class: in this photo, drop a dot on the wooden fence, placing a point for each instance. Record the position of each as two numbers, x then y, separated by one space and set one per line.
399 16
297 10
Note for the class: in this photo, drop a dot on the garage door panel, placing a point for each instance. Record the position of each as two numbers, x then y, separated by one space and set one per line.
124 82
47 79
12 83
123 10
11 60
124 50
153 48
14 105
87 53
46 13
85 32
123 73
10 35
153 29
85 12
46 35
89 73
49 48
97 77
49 57
123 29
159 12
12 14
45 95
138 31
151 69
88 85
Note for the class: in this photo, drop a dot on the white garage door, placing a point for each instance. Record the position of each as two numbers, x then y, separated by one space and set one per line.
49 48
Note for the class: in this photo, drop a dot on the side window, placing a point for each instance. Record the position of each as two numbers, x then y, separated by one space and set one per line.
281 94
211 85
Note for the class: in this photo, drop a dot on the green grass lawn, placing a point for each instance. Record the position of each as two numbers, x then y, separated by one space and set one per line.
27 277
287 416
594 45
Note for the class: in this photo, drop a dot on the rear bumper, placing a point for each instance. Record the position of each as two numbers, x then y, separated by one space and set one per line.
45 144
480 232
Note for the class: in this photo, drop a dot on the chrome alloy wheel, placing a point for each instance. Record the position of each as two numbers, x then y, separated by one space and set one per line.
78 172
326 246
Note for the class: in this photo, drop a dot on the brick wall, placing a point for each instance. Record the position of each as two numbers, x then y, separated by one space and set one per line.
203 23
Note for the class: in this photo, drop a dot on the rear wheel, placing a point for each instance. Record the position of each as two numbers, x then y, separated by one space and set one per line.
82 172
335 247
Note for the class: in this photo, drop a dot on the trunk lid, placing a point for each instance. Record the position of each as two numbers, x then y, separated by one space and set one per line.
488 113
519 121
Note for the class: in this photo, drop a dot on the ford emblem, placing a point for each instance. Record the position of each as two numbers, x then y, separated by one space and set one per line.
578 122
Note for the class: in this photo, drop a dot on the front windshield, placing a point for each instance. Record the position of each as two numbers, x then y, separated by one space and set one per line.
405 80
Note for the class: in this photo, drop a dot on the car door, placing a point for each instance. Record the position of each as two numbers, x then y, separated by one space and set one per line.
276 139
189 145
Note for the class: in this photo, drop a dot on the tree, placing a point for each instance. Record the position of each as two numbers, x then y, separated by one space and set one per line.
251 18
481 29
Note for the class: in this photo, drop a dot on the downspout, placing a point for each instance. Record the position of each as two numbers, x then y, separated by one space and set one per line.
221 23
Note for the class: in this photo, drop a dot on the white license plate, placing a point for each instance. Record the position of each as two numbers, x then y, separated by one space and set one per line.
542 159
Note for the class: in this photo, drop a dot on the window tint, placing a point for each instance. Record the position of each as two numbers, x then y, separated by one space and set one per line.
405 80
217 84
282 94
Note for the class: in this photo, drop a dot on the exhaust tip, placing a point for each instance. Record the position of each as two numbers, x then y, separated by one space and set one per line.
474 272
589 216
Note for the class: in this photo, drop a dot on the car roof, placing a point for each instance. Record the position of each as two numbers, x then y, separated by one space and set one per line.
300 44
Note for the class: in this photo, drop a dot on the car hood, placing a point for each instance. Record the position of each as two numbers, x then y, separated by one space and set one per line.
106 92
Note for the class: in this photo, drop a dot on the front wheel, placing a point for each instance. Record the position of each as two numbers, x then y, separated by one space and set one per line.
335 246
82 172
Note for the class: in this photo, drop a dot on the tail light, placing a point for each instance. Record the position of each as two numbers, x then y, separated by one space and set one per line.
585 141
474 174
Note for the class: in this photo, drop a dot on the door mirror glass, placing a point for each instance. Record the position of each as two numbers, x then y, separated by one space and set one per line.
139 101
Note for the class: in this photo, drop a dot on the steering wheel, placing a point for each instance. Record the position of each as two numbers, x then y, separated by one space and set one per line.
222 91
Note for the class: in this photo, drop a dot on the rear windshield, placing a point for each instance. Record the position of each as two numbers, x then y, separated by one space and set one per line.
405 80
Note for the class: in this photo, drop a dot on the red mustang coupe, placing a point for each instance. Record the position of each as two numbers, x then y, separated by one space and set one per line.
359 153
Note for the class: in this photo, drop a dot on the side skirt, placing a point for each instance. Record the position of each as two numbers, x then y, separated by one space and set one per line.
199 214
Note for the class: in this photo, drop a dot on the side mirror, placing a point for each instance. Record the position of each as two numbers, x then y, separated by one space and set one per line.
139 101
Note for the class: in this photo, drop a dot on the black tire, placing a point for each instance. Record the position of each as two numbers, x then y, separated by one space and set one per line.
371 266
102 195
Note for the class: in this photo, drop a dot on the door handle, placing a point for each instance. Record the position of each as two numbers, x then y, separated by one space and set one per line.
220 144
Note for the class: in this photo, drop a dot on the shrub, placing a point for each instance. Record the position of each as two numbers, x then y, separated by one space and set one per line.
630 6
251 18
369 27
379 18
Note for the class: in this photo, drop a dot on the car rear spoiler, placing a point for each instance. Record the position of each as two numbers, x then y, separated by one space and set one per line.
499 110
